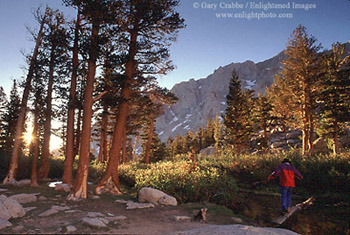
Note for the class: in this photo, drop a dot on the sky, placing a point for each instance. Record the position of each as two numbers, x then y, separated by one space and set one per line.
257 30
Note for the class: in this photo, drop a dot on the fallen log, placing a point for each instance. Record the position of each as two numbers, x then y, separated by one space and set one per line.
297 207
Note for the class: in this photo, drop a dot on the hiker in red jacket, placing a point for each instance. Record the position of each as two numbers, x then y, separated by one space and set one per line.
286 172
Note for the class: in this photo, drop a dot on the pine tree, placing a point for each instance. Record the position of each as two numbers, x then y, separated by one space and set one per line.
237 116
218 131
3 107
150 27
334 94
10 118
12 173
297 81
262 117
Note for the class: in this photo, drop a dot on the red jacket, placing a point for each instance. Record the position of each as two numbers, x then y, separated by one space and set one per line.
286 173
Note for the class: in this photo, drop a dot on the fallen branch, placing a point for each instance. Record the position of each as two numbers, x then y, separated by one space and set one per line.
300 206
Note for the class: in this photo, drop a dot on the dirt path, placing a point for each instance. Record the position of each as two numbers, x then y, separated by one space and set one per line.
157 220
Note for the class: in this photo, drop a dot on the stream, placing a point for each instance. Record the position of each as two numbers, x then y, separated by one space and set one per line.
325 216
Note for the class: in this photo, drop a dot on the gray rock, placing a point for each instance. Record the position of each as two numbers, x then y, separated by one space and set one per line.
155 196
27 209
62 187
25 182
71 228
60 208
95 214
48 213
94 222
4 213
13 207
3 190
134 205
4 224
121 201
24 198
42 198
18 228
116 218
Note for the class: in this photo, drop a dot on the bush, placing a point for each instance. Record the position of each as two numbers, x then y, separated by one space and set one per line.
185 180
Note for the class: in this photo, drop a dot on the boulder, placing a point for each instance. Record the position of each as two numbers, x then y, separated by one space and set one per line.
116 218
24 198
94 222
168 201
155 196
208 151
13 207
60 208
4 213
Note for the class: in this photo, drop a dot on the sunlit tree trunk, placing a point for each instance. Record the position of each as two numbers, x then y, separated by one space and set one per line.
80 189
124 145
35 146
103 138
68 164
110 181
11 175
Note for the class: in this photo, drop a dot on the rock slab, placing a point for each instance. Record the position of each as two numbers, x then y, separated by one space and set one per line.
24 198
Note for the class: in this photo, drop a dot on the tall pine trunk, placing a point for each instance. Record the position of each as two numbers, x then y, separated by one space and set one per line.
12 173
149 140
336 140
44 166
68 164
110 181
103 138
80 189
35 146
124 145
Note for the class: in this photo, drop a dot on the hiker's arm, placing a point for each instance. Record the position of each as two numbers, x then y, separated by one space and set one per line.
273 174
297 173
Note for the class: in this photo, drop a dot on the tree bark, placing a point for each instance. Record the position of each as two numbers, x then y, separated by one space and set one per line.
110 181
149 140
336 141
44 166
68 164
80 189
124 145
35 146
103 138
11 175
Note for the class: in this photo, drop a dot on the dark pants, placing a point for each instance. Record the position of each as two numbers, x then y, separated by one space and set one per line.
286 197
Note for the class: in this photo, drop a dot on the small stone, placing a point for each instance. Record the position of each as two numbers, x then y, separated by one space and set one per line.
3 189
72 211
24 198
95 214
24 182
182 218
237 220
95 197
58 196
27 209
62 187
42 198
60 208
48 212
116 218
121 201
4 224
134 205
93 222
71 228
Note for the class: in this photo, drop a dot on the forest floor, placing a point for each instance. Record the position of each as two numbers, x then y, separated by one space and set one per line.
156 220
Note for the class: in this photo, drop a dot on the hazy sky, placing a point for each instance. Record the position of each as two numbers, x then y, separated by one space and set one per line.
209 40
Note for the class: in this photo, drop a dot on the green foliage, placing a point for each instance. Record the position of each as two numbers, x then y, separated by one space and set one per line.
185 180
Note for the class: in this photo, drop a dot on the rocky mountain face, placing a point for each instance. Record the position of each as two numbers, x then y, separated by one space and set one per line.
204 98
